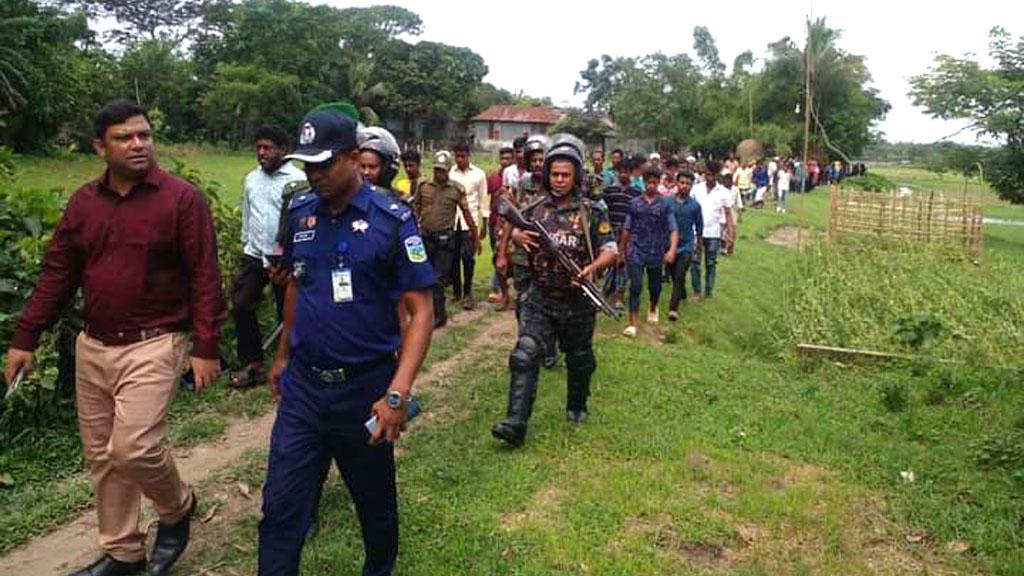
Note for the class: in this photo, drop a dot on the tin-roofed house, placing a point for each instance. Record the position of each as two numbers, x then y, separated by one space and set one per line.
500 124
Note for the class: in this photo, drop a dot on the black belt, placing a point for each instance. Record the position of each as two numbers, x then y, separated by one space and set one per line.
346 372
438 235
128 336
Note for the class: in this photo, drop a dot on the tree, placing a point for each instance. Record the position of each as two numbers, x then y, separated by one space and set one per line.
432 80
158 78
707 51
588 126
240 98
991 98
167 20
50 80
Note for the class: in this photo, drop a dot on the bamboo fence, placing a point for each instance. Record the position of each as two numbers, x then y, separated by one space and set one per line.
923 217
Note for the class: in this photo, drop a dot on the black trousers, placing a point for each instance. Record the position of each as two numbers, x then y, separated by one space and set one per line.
246 295
570 321
463 265
318 423
441 251
679 277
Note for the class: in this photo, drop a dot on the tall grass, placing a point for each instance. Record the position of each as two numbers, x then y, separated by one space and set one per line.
859 296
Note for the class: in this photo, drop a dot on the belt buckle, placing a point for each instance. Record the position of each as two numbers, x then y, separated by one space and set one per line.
336 376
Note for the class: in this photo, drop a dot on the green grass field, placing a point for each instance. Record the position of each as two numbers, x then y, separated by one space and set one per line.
712 448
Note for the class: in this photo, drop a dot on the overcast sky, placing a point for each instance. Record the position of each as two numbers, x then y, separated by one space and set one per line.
899 39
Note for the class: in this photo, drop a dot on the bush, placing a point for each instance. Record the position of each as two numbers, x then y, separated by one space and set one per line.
870 183
27 220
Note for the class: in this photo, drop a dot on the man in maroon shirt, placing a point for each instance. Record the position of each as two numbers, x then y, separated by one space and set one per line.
140 244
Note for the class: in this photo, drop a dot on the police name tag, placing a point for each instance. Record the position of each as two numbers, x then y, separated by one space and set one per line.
341 285
304 236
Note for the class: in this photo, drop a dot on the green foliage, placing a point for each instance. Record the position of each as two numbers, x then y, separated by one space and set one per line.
895 396
166 20
855 296
915 330
27 221
47 79
672 98
588 126
991 98
241 98
870 182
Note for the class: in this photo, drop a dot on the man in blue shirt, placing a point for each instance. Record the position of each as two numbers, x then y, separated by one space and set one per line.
354 253
690 222
650 236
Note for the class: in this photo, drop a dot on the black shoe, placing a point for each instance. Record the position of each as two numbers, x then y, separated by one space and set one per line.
509 432
171 541
576 416
109 566
550 361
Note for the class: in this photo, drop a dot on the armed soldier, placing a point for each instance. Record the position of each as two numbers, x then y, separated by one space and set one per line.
553 302
529 192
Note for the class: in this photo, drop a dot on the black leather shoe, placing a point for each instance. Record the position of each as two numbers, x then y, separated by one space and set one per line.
509 433
171 541
109 566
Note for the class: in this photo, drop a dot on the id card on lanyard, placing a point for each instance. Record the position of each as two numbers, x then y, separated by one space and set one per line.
341 277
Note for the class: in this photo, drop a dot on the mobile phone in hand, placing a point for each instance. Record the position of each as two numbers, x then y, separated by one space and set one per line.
412 409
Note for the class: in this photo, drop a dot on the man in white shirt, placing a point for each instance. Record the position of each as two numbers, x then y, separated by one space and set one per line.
262 197
511 175
474 181
716 207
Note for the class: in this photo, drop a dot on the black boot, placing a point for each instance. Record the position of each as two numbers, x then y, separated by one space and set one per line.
108 566
171 541
521 392
578 390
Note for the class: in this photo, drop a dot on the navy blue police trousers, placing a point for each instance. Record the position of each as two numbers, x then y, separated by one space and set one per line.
316 423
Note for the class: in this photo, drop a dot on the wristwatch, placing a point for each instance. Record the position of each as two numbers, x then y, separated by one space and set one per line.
395 400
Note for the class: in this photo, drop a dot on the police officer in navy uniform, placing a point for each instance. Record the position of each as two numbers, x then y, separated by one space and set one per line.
552 305
353 253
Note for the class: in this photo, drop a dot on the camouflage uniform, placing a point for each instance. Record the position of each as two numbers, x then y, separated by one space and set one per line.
553 307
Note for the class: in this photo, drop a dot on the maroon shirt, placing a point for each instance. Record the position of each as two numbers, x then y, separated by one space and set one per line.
146 260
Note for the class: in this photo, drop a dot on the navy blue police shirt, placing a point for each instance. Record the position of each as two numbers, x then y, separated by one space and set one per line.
377 241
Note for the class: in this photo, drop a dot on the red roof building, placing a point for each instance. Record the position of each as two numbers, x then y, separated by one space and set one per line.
505 123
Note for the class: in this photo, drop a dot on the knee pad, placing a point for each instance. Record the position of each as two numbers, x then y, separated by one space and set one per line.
580 362
525 355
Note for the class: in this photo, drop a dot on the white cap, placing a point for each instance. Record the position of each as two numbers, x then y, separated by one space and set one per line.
691 158
654 156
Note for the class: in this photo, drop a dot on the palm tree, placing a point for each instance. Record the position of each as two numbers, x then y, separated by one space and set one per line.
11 64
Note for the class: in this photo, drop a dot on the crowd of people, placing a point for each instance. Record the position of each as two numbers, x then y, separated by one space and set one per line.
359 257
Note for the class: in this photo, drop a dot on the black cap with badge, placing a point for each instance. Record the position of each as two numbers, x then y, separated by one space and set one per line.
322 134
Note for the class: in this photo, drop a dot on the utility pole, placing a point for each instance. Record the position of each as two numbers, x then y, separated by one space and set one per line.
808 63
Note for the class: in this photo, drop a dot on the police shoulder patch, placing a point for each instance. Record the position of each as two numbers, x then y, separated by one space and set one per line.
300 200
604 227
392 206
415 250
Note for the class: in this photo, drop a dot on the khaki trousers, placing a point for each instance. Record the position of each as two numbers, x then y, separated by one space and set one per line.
123 394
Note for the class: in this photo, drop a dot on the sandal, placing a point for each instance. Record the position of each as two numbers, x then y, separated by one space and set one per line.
247 376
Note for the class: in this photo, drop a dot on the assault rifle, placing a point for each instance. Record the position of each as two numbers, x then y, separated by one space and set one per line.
550 245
